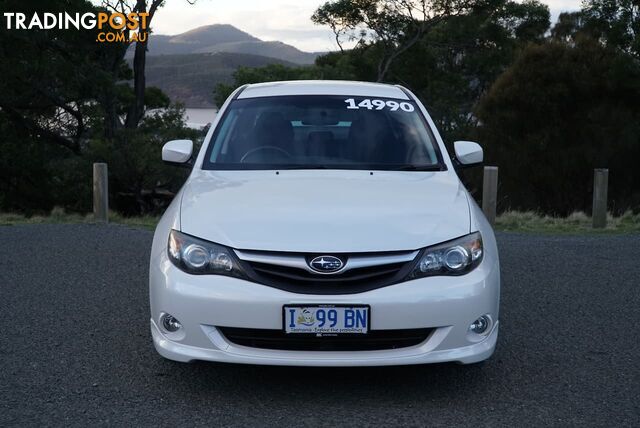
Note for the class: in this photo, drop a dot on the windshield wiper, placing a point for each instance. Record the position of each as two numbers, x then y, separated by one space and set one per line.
411 167
303 166
408 167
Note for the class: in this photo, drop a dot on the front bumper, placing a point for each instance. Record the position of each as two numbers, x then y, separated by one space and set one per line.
446 304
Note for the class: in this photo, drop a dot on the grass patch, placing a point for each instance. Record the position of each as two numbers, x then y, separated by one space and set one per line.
576 223
59 216
511 221
147 222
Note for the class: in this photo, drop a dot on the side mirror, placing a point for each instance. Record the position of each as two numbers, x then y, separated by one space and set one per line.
178 151
468 153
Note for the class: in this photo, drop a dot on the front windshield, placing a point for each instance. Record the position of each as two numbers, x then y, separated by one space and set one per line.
341 132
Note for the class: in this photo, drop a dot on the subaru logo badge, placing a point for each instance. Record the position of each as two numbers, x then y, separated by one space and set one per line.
326 264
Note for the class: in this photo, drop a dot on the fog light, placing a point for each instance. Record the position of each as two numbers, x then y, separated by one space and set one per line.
170 323
481 325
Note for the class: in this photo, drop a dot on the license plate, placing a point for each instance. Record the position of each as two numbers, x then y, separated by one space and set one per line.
326 319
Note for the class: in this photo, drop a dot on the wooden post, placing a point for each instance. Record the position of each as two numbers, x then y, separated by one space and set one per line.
100 193
490 193
600 184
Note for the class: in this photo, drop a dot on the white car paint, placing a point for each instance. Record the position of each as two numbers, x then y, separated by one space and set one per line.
468 152
293 200
322 87
347 211
177 151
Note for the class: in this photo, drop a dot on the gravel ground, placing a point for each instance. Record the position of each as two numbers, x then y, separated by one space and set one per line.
75 347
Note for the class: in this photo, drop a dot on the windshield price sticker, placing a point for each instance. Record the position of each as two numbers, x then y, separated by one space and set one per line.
370 104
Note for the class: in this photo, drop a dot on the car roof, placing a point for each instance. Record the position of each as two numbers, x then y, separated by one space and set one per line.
323 87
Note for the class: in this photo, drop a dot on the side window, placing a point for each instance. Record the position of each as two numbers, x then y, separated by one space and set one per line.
224 136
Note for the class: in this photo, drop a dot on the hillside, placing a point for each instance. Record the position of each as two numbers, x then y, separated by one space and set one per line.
224 38
191 78
277 50
188 66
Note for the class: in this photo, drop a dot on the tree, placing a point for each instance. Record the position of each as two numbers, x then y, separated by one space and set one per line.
279 72
526 21
456 62
135 110
62 97
570 25
455 59
133 142
556 114
617 22
139 182
50 78
393 25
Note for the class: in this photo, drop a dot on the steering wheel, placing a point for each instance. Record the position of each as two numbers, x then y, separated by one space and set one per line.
261 148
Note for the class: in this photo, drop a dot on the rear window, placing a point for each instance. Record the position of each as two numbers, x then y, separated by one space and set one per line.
307 132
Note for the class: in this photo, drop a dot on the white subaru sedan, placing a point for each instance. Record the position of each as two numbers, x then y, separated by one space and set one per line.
323 224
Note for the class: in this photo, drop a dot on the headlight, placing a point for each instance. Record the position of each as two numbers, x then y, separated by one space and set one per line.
197 256
455 257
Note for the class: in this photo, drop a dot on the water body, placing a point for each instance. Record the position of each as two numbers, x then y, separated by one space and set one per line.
199 117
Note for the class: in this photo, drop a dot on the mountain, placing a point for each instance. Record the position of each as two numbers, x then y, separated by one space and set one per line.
188 66
277 50
191 78
224 38
213 34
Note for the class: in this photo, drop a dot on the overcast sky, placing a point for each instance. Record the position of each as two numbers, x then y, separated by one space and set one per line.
284 20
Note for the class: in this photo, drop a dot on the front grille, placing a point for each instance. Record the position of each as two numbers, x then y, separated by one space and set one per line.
355 280
302 277
374 340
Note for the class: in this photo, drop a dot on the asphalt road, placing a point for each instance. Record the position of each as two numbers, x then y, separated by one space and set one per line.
75 347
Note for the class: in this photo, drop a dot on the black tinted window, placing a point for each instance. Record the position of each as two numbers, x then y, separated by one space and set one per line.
321 131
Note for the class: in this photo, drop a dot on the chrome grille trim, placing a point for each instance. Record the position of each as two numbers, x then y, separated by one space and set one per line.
299 261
